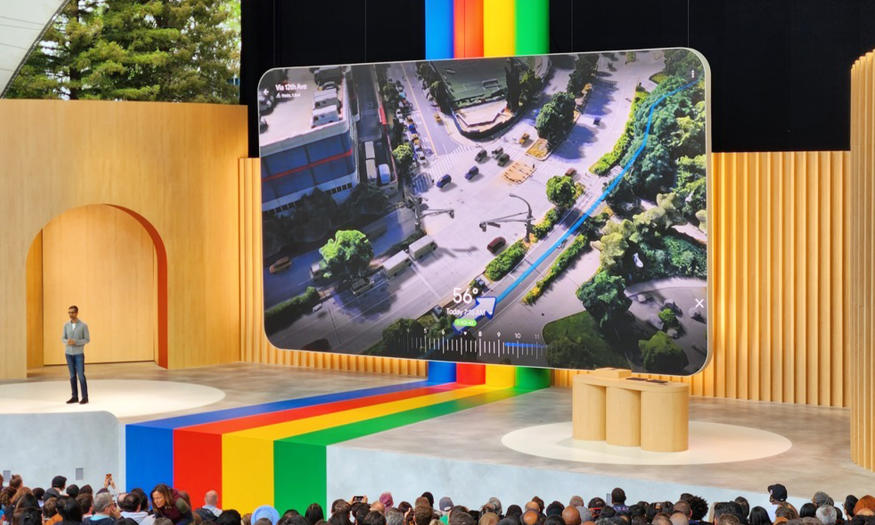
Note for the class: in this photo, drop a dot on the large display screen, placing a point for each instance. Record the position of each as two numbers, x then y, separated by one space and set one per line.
546 211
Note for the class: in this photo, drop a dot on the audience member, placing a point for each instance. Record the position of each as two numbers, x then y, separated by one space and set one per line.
313 514
826 514
210 510
59 483
679 518
618 500
70 511
167 503
759 516
104 510
131 508
849 504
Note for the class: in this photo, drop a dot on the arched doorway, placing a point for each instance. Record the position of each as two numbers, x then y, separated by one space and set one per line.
111 262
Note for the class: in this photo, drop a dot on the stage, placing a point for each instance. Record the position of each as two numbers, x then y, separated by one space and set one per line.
346 433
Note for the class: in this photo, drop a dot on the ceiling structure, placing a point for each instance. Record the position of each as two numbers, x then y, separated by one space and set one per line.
21 24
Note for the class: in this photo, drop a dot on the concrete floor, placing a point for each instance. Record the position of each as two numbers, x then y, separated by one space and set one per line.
243 383
818 459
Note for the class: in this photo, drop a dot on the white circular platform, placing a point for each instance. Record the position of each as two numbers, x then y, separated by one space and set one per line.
709 443
121 397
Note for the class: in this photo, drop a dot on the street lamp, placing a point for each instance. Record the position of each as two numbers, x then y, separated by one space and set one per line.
515 217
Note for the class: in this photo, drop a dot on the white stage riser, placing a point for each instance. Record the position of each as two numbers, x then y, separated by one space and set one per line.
41 446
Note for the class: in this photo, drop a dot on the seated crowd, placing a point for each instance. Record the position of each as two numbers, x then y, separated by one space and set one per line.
72 505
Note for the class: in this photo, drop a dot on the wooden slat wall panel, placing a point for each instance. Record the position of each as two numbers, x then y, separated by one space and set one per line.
859 239
254 345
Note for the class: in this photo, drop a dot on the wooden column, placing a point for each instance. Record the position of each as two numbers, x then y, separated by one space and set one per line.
861 210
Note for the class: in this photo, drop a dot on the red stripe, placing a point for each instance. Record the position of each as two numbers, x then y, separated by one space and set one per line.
197 449
308 166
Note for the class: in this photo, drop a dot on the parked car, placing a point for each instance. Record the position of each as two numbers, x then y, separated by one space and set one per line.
282 264
481 155
570 172
327 85
472 172
411 128
262 125
443 181
596 121
496 244
360 286
503 159
497 152
480 286
438 119
524 138
420 155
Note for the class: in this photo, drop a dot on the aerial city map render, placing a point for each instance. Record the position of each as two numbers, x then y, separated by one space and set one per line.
537 210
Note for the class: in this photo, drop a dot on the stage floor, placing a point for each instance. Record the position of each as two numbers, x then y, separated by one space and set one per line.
463 452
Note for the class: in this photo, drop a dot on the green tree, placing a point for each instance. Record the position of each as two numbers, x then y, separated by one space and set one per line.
614 246
438 91
560 191
314 216
555 119
604 297
661 355
59 66
658 219
668 317
366 202
530 86
390 95
403 155
185 50
349 253
398 338
584 72
512 78
565 353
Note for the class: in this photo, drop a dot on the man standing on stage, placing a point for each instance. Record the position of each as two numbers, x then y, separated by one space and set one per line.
75 338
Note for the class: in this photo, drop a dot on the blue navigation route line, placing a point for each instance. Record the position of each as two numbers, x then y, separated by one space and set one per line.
597 202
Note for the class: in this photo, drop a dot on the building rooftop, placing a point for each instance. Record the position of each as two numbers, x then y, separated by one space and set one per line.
293 113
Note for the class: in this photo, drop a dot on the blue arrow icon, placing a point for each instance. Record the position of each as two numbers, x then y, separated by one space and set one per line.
484 307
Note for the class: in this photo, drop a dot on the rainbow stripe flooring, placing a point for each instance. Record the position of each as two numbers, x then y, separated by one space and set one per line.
276 452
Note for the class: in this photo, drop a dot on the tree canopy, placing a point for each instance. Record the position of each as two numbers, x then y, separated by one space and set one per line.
349 253
604 297
184 50
555 119
561 191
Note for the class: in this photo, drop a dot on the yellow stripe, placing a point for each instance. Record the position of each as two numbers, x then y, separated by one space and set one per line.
500 376
498 28
247 455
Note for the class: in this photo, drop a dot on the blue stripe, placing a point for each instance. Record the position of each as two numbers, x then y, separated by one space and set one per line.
438 29
149 445
597 202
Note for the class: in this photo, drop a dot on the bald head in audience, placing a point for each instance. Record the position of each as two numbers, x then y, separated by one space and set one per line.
530 517
679 518
570 515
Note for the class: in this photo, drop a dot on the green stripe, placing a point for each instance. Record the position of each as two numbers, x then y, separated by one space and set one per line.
532 27
300 476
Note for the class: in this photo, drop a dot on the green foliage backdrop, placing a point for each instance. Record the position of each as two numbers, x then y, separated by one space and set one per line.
164 50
